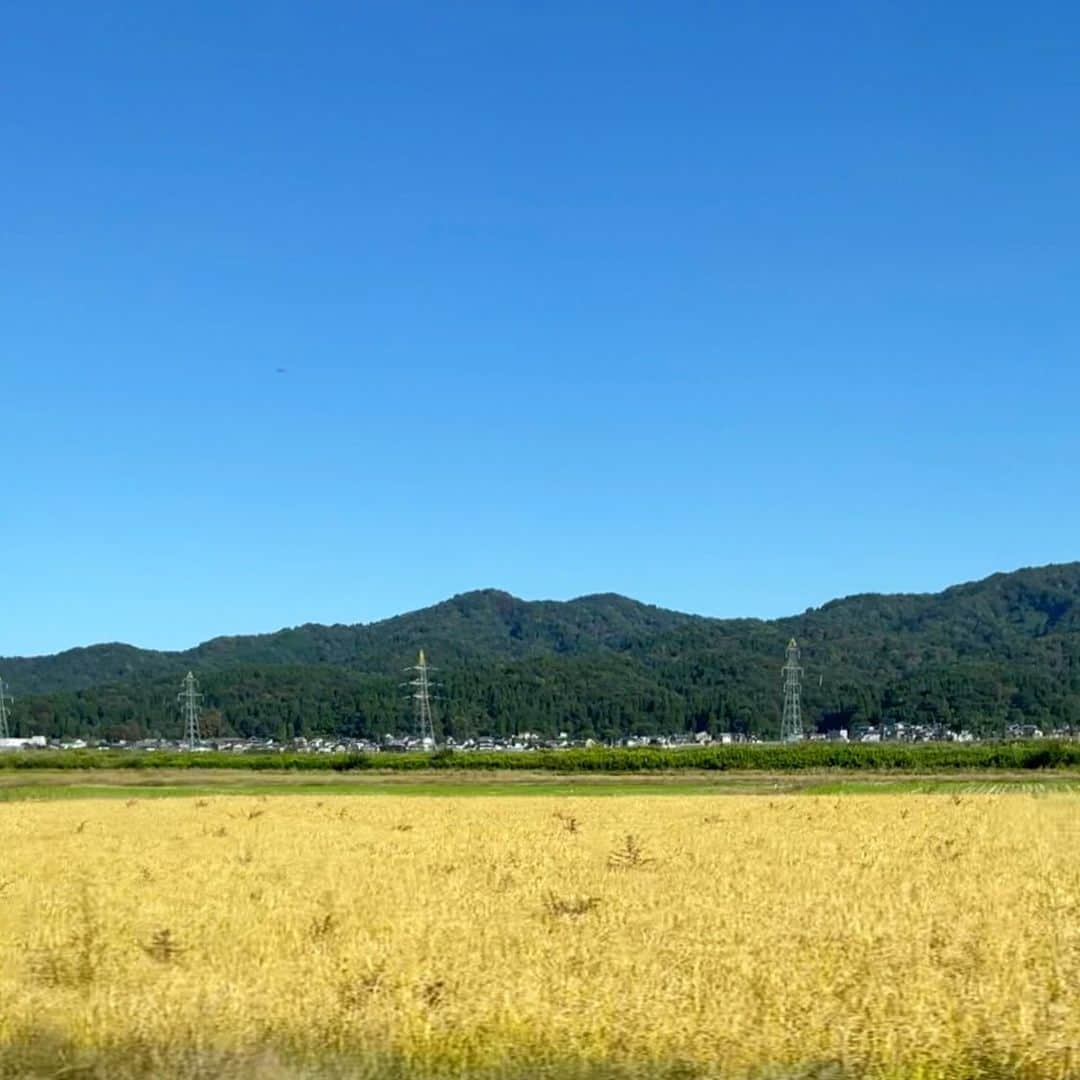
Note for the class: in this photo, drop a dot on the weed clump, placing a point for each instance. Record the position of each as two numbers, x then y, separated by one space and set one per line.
574 906
629 855
163 947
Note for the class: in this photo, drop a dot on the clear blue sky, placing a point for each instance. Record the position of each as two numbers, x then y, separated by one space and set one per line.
733 308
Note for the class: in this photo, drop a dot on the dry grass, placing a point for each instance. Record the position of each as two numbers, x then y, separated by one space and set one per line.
891 936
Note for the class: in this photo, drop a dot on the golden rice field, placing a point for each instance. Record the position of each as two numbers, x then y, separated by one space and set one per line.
894 936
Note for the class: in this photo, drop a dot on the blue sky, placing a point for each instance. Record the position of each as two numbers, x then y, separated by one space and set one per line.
733 308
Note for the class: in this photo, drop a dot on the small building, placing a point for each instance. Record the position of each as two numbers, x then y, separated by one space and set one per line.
29 742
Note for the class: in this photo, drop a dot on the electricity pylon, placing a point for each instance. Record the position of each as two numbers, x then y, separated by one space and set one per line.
5 700
791 729
420 687
188 699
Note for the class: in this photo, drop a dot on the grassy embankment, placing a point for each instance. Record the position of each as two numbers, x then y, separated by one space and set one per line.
811 769
196 783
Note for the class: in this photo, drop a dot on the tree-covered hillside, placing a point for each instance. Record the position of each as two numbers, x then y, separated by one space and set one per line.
476 626
1003 650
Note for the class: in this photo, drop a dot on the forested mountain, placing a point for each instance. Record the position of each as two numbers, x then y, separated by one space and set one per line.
981 655
475 626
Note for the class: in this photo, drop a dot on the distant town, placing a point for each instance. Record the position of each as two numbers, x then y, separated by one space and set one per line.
524 743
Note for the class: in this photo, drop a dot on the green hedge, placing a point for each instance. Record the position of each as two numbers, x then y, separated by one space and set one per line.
762 757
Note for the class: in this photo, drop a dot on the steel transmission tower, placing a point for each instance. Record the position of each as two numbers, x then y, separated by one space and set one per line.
420 685
791 729
189 699
5 700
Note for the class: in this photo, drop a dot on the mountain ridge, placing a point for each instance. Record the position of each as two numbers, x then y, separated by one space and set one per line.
502 593
1004 649
467 605
122 659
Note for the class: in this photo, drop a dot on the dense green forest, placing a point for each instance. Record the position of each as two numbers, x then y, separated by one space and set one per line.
1001 651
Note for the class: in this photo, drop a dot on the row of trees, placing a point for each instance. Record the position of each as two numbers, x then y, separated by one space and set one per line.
895 757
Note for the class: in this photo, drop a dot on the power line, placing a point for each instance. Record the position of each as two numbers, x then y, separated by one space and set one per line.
791 729
5 700
189 700
420 687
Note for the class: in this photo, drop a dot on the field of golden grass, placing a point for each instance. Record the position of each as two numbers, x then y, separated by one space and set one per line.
893 936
